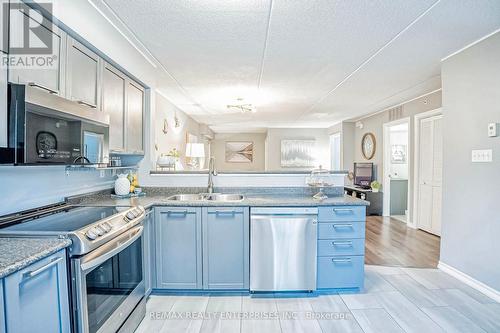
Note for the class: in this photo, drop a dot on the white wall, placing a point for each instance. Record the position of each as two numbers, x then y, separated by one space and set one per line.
175 137
471 220
219 151
275 135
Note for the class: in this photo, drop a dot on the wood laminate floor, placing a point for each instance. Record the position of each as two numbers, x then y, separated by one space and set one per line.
390 243
394 300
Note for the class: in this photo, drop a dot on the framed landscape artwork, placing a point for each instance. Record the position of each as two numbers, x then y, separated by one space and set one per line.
239 152
297 153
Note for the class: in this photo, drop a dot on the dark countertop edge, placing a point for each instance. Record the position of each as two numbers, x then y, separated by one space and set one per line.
18 265
204 172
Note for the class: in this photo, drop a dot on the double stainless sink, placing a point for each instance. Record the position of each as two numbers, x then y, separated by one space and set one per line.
207 197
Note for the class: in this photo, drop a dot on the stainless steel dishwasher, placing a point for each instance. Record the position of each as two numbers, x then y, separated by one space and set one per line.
283 249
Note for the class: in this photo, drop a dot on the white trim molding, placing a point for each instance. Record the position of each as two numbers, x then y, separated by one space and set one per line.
470 281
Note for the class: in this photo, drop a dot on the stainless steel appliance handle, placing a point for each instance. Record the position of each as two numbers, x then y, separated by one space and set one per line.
33 273
93 106
108 250
36 85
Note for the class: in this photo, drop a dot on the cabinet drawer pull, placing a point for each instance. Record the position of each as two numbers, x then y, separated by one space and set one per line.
93 106
177 212
342 243
341 261
39 86
30 274
342 225
225 212
343 210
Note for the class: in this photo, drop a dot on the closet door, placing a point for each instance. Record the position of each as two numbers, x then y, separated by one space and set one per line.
430 174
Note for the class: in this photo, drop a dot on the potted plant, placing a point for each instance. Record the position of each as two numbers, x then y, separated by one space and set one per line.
375 186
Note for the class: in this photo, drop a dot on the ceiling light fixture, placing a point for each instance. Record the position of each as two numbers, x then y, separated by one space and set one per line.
244 108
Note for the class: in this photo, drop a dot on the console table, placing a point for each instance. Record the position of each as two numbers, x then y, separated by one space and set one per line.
375 198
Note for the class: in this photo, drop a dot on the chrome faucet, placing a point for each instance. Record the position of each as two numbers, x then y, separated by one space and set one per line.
211 173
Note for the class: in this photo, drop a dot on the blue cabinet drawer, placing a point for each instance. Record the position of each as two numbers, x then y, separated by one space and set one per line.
341 213
352 247
342 230
341 272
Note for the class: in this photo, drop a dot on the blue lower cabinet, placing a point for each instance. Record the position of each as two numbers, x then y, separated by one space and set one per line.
341 272
226 248
178 248
335 247
36 297
148 259
2 309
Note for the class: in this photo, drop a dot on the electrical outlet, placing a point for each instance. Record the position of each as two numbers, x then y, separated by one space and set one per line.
482 156
102 173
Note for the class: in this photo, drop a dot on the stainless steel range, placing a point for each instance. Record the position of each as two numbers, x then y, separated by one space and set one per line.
107 279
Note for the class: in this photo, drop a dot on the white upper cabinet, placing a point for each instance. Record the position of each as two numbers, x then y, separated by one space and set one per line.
113 104
51 78
83 75
135 112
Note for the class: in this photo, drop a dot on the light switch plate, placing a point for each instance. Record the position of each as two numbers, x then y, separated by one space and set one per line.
482 156
493 130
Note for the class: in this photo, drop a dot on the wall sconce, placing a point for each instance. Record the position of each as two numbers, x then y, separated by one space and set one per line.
176 121
359 125
165 126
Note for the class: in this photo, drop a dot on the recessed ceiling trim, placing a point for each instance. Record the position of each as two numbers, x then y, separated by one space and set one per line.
142 49
364 63
266 41
393 106
470 45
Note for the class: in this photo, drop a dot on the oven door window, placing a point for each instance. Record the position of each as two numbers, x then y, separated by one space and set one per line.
109 284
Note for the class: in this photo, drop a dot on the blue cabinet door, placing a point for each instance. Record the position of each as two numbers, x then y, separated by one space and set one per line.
148 259
36 297
178 248
226 248
2 309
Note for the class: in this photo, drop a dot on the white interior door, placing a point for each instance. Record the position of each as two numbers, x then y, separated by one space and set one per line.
430 174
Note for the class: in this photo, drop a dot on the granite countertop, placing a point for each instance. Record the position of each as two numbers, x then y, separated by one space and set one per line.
265 200
18 253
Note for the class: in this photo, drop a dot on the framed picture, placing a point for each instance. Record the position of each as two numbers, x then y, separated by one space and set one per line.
239 152
398 154
297 153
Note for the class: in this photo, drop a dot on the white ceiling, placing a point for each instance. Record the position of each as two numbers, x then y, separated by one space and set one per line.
309 63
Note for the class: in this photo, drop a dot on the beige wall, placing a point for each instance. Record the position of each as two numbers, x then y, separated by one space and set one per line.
175 137
471 223
218 148
275 135
374 124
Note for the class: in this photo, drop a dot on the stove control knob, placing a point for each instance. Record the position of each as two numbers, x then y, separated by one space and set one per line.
106 227
130 215
100 231
91 234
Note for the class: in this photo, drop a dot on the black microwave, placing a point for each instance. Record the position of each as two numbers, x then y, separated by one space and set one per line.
41 135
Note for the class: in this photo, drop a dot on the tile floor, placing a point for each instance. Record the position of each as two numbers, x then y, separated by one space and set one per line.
395 300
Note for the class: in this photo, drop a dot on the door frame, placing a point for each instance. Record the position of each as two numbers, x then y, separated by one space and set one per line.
416 161
386 158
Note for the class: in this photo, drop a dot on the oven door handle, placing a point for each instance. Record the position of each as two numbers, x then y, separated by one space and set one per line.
106 251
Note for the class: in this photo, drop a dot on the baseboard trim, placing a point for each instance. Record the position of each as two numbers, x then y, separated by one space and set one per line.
470 281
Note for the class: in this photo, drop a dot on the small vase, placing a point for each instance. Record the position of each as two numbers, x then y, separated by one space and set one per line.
374 190
122 185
